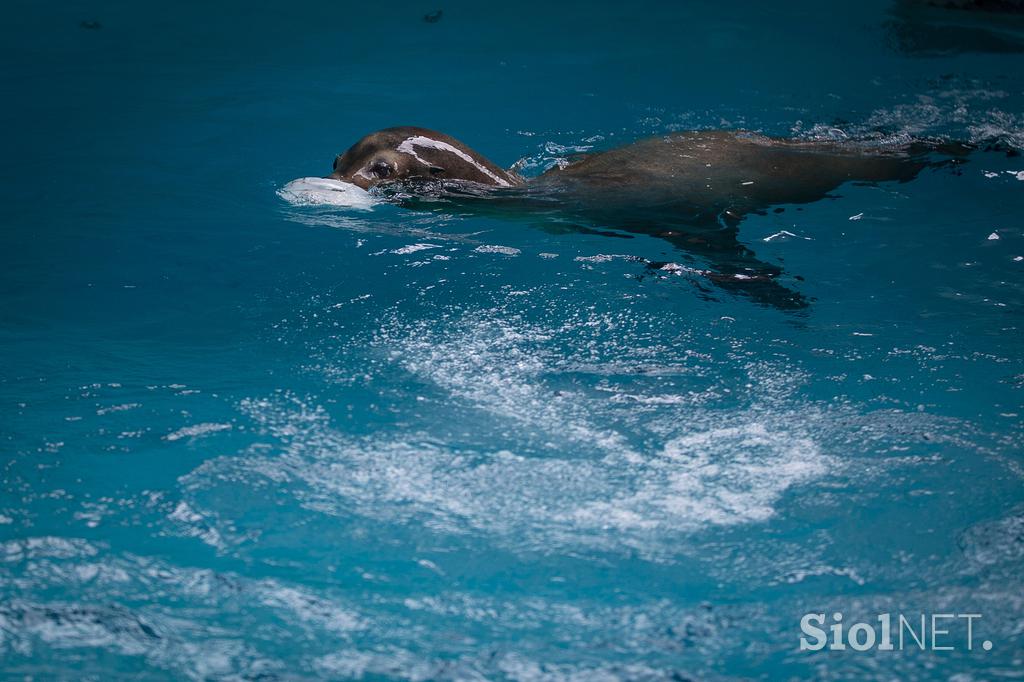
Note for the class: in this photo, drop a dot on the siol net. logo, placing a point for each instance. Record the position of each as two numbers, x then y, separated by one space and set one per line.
934 632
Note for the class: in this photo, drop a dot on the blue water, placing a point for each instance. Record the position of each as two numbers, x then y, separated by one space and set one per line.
244 439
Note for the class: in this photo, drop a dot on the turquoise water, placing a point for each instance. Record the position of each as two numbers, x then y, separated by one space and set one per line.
244 439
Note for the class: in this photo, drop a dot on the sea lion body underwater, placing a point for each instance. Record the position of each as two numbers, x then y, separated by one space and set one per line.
691 188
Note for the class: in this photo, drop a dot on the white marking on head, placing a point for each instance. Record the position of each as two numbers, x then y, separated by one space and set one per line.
408 146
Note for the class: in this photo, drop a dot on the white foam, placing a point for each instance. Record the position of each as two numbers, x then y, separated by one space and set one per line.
599 258
327 192
413 248
196 431
572 469
709 477
497 248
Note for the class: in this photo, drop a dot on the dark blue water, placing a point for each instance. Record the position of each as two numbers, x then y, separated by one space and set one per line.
244 439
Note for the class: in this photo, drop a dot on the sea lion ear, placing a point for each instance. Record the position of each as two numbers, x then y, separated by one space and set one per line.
436 170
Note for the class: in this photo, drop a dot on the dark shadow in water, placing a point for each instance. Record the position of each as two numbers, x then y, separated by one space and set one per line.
935 28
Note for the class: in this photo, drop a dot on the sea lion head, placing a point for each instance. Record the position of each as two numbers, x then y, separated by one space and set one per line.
408 153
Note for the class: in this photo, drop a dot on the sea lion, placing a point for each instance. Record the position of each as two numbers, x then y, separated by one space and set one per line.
691 189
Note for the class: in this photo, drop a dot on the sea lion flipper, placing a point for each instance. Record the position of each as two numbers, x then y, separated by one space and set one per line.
722 259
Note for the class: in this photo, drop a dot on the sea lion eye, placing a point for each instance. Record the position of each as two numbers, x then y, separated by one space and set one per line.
381 169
